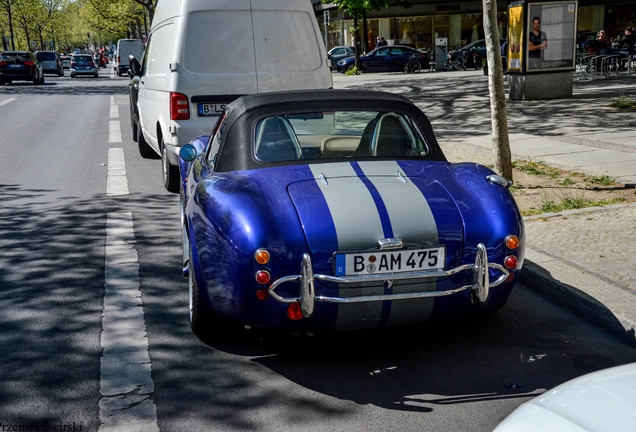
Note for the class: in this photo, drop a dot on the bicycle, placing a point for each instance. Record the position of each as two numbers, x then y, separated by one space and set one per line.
413 65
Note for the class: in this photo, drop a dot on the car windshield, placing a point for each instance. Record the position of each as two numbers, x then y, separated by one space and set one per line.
82 58
325 135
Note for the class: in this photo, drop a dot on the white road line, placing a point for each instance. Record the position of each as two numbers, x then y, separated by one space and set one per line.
114 132
114 111
116 183
126 380
6 101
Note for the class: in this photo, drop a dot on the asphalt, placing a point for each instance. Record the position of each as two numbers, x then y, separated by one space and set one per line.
583 260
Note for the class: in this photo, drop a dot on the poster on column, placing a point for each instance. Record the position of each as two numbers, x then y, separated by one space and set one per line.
551 39
515 36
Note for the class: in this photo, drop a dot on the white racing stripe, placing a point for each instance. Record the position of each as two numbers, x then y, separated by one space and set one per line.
409 212
343 192
411 217
6 101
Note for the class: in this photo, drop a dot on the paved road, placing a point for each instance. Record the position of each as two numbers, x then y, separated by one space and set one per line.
54 227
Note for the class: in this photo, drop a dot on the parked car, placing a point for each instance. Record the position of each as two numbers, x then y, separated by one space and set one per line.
476 53
338 53
392 58
20 66
322 210
183 82
66 61
50 61
599 401
83 64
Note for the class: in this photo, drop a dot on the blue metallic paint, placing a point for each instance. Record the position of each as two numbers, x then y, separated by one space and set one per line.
230 215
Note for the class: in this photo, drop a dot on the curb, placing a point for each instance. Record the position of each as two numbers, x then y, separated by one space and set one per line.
593 298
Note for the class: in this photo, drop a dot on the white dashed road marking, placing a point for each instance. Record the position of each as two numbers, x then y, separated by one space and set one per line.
114 132
126 381
6 101
116 183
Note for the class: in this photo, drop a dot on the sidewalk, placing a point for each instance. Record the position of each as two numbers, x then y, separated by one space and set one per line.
584 260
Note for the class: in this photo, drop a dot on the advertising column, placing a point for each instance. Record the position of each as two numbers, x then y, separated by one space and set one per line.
542 49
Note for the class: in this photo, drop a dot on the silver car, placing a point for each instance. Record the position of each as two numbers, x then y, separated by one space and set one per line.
50 62
83 64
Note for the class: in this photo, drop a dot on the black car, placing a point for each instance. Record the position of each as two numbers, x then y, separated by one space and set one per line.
338 53
476 52
393 58
20 66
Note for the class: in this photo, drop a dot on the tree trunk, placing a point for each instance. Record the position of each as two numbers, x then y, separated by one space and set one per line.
500 140
365 32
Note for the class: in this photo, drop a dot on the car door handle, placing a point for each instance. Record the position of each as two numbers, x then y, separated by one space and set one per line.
141 81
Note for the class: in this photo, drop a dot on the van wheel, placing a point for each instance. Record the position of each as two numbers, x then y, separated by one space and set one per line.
145 150
170 172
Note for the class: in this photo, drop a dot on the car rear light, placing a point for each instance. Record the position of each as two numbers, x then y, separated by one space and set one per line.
293 311
3 63
72 64
91 64
261 256
262 277
29 63
179 108
511 262
512 242
262 294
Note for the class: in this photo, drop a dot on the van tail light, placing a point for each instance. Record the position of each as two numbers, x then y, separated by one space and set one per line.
29 63
179 107
118 60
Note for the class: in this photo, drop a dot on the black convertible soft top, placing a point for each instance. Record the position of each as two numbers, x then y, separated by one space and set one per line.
235 153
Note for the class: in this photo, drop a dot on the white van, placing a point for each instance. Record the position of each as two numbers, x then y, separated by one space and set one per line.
201 55
125 48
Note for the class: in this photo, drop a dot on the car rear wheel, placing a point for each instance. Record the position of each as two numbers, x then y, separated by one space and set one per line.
170 172
201 318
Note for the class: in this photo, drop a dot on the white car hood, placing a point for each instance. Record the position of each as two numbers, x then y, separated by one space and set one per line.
600 401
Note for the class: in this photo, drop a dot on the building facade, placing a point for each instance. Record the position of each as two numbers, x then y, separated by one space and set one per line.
460 22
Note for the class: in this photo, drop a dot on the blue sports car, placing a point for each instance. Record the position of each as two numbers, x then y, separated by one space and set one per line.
336 209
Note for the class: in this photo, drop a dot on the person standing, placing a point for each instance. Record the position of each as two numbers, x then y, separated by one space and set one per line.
537 42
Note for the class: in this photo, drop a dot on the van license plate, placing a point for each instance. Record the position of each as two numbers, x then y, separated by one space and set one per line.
210 110
397 261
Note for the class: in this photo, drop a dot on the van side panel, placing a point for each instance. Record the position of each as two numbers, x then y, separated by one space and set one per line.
220 43
290 56
154 93
165 9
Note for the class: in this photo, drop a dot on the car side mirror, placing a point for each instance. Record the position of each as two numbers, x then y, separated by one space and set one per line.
188 153
135 67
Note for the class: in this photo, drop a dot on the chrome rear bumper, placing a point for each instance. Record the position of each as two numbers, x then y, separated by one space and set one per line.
308 298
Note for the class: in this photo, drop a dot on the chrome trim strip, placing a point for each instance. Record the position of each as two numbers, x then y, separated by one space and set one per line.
390 243
307 299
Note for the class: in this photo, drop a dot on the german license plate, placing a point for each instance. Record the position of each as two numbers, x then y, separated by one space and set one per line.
397 261
211 109
15 66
